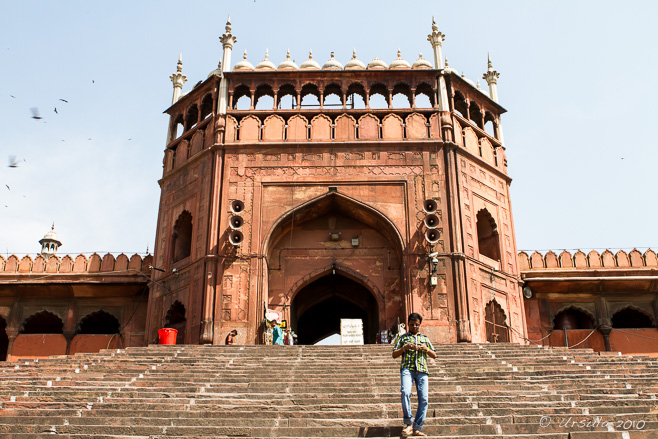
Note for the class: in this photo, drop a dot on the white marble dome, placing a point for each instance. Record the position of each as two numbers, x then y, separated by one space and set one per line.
354 63
332 64
288 64
449 69
310 63
399 63
421 63
243 65
266 64
377 64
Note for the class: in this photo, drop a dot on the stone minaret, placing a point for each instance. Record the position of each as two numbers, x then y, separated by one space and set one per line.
491 76
227 40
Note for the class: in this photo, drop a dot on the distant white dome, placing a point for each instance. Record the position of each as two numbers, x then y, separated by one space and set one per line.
244 64
377 64
310 63
332 64
399 63
288 64
421 63
468 80
266 64
449 69
354 64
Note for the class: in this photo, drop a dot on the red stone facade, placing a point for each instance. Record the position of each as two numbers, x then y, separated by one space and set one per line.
56 306
331 207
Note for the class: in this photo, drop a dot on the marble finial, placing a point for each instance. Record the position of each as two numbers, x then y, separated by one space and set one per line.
434 26
245 54
353 53
489 65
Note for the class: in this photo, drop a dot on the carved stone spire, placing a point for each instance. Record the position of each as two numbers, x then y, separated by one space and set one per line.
227 40
436 39
178 79
491 76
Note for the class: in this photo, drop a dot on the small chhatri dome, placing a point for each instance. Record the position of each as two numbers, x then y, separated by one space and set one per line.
449 69
288 64
310 63
399 63
377 64
354 64
332 64
421 63
468 80
50 242
244 64
266 64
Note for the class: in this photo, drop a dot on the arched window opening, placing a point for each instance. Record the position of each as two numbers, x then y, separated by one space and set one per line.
460 105
182 236
4 340
495 322
310 96
489 124
192 117
378 97
206 107
264 97
356 97
333 96
401 96
572 318
43 322
177 128
241 98
425 97
98 322
286 97
476 114
487 230
175 319
631 318
176 314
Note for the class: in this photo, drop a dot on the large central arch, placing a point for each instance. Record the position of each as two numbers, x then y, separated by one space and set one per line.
318 307
334 257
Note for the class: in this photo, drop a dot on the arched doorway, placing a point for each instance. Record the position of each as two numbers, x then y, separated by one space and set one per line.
317 308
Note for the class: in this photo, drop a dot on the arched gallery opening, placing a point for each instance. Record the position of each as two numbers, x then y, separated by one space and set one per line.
317 309
4 340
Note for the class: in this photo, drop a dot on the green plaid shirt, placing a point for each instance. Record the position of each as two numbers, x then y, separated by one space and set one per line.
414 360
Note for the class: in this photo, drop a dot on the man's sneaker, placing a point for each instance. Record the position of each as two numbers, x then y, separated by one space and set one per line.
418 433
407 430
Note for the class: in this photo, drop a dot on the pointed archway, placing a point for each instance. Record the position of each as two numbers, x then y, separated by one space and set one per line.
336 240
318 307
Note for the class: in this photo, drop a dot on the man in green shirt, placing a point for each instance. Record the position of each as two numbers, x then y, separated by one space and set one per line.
414 348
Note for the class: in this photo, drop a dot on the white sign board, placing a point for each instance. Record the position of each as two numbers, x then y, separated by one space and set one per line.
351 331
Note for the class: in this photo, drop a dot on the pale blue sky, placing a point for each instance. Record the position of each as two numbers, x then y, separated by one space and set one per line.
577 79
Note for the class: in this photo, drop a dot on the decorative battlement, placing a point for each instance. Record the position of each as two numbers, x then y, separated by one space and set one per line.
78 265
591 260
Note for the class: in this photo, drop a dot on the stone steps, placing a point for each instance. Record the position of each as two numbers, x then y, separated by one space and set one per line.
476 391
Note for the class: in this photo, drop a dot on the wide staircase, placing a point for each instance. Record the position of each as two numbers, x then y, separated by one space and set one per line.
476 391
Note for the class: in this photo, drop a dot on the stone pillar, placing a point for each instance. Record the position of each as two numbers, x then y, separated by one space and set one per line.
68 335
491 76
436 38
178 79
12 333
458 257
604 324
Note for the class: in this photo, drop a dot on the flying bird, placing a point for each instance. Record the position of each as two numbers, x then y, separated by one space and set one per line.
56 110
7 187
13 96
13 163
64 100
35 113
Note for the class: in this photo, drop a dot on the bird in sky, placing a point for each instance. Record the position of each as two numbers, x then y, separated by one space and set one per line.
56 110
35 113
13 96
13 163
64 100
7 187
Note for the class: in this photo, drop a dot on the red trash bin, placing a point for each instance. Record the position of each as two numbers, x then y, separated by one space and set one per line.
167 335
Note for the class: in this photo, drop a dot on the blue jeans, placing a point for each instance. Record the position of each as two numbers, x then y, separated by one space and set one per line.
407 377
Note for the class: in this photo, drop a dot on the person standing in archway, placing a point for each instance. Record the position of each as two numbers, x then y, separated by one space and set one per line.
414 348
229 338
277 334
